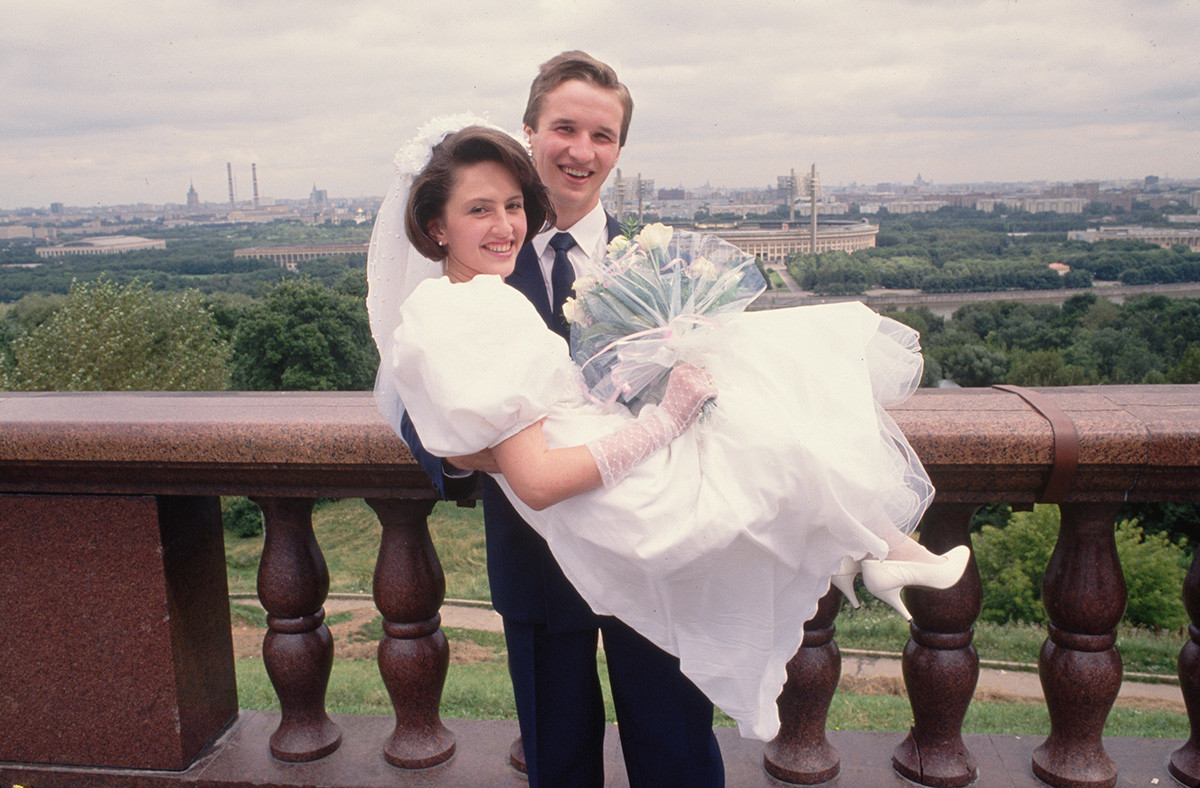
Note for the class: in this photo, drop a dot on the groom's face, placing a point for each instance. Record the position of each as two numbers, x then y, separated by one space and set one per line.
575 145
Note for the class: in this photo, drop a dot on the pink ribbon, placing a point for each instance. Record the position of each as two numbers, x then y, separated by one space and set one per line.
630 364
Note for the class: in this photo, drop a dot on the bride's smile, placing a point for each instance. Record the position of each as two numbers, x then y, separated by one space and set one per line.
483 225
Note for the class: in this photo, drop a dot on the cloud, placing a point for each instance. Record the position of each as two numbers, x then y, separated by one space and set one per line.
111 102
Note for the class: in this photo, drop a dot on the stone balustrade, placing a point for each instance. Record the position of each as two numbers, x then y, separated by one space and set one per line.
117 660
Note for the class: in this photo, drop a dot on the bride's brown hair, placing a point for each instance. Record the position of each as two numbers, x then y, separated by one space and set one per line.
432 186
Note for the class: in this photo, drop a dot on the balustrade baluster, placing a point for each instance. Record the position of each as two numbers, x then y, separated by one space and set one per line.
1185 762
801 753
940 665
413 653
1084 594
293 582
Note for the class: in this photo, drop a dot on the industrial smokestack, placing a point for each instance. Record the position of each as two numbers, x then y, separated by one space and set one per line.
229 171
254 178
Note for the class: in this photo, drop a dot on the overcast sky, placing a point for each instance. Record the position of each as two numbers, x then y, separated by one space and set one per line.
107 102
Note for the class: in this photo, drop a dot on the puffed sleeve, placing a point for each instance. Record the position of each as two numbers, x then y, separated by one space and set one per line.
475 364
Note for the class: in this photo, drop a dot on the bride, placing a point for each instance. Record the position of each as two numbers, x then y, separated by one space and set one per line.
713 537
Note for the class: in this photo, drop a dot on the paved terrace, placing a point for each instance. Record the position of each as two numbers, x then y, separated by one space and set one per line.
117 665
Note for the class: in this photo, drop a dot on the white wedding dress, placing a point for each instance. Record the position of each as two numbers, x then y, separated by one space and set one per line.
718 547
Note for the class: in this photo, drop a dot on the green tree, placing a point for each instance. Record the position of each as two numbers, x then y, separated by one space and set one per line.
1013 560
303 336
975 365
20 318
1154 568
1116 356
1187 370
1044 368
111 337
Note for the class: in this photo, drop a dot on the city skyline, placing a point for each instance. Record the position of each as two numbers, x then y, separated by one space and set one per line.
114 104
694 193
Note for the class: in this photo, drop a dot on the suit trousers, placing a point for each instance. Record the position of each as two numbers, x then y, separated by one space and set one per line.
664 722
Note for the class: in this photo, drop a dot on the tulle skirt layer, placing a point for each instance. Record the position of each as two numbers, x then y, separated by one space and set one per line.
719 547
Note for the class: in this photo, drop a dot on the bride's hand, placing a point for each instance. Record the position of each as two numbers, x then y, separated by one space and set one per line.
688 389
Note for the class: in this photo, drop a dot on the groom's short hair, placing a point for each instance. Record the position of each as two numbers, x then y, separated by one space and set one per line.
582 66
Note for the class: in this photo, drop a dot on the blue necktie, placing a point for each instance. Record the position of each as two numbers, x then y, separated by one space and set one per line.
562 279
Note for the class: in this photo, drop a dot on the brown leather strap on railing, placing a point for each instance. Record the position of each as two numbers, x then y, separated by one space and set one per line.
1066 442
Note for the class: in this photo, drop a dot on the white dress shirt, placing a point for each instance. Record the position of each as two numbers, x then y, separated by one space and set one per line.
591 242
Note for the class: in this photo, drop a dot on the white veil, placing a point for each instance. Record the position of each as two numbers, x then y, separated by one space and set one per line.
394 266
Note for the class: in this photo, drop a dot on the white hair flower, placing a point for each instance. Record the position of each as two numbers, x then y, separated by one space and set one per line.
415 154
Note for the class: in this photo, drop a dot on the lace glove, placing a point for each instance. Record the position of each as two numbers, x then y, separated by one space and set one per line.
618 452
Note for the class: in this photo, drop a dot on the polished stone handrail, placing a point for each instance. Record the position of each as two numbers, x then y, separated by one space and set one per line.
98 458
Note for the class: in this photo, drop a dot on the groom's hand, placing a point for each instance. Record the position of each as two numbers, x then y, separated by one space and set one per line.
479 461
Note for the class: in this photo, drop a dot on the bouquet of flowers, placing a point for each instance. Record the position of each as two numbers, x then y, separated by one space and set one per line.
648 306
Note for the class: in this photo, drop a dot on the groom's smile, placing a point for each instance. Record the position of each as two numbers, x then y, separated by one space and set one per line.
576 145
575 173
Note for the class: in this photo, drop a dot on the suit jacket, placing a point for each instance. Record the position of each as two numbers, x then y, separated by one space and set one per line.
526 582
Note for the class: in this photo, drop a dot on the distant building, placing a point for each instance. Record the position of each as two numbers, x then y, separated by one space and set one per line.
193 198
824 208
630 194
774 246
913 206
1055 204
1034 204
1166 238
270 213
288 256
9 232
102 244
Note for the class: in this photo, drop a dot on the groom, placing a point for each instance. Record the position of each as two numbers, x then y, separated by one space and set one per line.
576 121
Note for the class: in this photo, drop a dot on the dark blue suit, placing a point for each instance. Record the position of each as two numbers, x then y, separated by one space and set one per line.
665 723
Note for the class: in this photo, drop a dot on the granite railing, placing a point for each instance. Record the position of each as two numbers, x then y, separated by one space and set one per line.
115 620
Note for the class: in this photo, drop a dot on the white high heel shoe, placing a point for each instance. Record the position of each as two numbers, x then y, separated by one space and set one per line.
843 579
885 579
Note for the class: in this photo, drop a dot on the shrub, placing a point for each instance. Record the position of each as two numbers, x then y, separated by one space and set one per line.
242 517
1013 559
1154 568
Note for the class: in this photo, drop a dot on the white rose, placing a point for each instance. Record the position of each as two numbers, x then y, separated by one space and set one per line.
617 245
584 283
702 268
572 311
655 236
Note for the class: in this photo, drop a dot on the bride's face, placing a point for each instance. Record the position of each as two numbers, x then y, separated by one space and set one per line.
483 225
